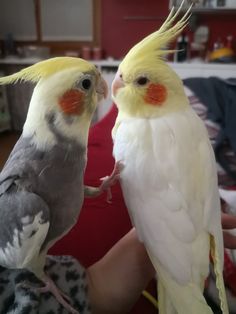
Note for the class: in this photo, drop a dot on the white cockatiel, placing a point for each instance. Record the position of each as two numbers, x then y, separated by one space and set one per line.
41 184
169 177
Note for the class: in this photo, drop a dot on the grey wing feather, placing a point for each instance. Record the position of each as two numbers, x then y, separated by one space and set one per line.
53 185
23 227
14 167
6 184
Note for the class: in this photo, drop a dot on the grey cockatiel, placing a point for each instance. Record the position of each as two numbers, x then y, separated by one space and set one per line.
41 185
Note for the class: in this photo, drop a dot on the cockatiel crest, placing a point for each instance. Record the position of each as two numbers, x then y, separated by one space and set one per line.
46 68
145 63
154 45
169 177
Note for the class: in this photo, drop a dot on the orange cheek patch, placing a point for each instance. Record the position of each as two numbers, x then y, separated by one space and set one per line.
72 102
156 94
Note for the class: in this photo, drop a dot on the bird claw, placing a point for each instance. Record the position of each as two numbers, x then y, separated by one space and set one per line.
109 181
60 296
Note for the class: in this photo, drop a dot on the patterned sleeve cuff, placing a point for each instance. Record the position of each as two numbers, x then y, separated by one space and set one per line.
18 294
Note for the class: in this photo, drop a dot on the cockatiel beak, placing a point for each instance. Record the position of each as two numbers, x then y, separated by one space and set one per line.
102 88
117 83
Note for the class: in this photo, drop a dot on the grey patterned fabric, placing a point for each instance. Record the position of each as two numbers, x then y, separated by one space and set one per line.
19 294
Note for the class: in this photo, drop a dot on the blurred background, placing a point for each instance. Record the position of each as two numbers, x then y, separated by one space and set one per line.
103 31
104 28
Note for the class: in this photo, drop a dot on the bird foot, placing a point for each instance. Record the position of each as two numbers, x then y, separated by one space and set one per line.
109 181
60 296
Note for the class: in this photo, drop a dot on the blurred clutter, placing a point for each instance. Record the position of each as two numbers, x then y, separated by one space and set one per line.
91 53
182 50
32 51
195 47
86 52
223 52
198 46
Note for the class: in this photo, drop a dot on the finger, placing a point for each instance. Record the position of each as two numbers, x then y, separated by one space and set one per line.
228 221
229 240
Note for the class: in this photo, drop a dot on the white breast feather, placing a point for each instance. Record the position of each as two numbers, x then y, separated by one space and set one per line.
164 184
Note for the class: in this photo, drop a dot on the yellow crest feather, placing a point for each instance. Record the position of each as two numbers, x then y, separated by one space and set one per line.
154 45
46 68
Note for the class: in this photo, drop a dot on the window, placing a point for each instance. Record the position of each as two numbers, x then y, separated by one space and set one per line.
72 20
58 24
18 19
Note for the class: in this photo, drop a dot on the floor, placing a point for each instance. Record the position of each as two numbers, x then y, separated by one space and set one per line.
7 142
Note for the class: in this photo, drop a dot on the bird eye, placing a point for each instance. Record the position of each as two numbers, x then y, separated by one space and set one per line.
86 84
142 80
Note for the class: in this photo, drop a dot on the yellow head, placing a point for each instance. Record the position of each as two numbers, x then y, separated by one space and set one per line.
145 86
63 100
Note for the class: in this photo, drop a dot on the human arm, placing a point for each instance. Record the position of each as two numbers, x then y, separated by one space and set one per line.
118 279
